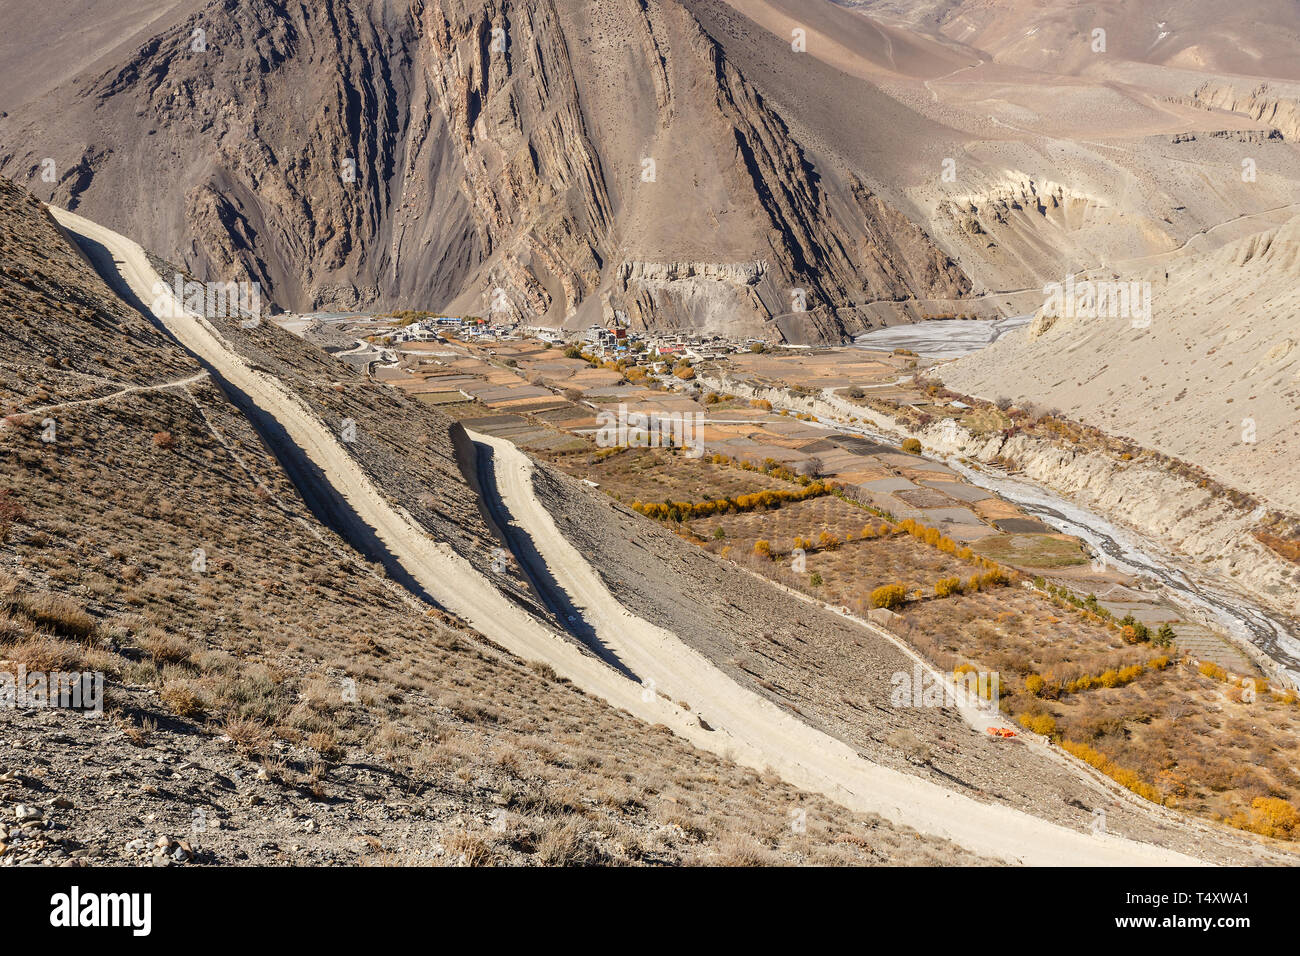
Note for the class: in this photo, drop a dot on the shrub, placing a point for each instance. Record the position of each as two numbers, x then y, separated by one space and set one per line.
1034 684
181 700
164 440
246 733
467 849
946 587
1213 670
58 615
11 512
570 843
1124 777
889 596
325 744
1043 724
1273 816
763 548
1131 673
44 653
680 510
912 446
165 648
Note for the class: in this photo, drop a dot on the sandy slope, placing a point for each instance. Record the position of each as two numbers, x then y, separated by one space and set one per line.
1214 379
746 728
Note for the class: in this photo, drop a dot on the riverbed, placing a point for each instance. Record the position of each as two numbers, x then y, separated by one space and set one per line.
941 338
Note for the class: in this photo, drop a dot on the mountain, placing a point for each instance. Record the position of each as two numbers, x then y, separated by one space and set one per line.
350 154
799 171
1252 38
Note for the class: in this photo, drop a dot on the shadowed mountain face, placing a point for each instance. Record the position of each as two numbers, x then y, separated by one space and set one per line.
555 159
259 140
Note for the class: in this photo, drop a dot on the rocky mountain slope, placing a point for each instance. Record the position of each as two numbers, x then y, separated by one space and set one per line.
1256 37
536 157
800 171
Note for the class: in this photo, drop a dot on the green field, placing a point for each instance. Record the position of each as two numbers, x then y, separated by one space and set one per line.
1033 550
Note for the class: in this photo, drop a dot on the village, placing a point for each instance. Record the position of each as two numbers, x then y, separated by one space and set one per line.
373 341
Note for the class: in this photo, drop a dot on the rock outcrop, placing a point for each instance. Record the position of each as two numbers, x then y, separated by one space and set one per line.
1263 103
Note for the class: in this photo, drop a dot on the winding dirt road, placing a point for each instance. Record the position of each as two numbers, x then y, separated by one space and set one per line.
740 725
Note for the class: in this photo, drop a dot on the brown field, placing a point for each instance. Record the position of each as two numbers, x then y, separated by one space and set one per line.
645 474
1180 736
849 570
1033 550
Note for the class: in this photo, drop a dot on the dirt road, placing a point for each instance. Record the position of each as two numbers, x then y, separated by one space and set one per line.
740 725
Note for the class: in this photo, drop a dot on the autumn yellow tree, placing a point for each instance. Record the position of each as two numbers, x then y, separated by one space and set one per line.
946 587
889 596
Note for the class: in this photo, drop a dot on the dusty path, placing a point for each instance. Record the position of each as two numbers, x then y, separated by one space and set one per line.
744 727
124 391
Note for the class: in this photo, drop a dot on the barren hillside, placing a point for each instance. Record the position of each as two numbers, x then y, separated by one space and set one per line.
273 696
800 171
1214 380
1257 37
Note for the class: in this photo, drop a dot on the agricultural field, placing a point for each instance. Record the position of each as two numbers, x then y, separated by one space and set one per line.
1033 550
1117 695
840 566
1177 731
1140 709
655 475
